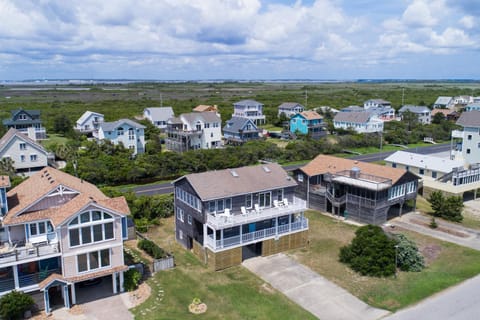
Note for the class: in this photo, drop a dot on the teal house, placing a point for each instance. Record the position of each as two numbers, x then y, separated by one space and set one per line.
308 123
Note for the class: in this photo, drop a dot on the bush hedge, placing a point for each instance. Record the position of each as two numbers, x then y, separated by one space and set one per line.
14 304
151 248
131 279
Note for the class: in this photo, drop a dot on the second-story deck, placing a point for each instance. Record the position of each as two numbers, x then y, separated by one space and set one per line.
28 253
236 218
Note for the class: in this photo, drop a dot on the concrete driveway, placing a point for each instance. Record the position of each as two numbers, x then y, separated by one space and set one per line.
311 291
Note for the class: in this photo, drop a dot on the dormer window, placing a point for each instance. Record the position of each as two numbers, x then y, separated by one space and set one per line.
22 116
120 131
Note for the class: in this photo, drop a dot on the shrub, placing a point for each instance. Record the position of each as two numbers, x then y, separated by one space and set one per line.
433 223
14 304
408 257
151 248
131 279
449 208
370 253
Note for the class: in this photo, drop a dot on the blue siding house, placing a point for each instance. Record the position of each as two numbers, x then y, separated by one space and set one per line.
308 123
239 130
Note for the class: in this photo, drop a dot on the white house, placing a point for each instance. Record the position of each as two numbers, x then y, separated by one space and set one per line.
424 115
250 109
290 109
195 130
444 103
125 131
466 143
89 122
376 103
27 155
361 122
158 116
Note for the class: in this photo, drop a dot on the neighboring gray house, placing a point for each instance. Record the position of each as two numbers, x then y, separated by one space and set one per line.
125 131
444 103
377 103
290 109
227 216
361 122
27 155
250 109
89 122
472 106
27 122
240 130
352 109
466 143
159 116
424 115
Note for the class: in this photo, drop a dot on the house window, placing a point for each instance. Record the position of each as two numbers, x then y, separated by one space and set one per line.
207 125
180 214
300 177
131 134
280 195
39 228
468 151
33 157
265 199
93 260
434 174
120 131
248 200
189 219
22 158
94 226
394 165
23 146
469 137
211 206
22 116
421 171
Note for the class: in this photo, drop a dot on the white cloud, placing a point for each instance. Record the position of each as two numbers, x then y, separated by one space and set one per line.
467 22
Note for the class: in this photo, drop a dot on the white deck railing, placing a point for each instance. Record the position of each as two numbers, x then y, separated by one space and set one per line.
221 221
255 236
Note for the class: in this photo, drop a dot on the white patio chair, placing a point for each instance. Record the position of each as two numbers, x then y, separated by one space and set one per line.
257 208
285 202
243 210
227 211
276 204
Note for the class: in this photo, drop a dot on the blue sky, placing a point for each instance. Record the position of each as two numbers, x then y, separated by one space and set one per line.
239 39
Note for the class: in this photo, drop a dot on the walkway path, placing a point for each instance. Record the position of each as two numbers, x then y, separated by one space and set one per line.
470 238
311 291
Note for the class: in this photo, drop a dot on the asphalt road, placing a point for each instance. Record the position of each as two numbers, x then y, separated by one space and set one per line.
458 303
163 188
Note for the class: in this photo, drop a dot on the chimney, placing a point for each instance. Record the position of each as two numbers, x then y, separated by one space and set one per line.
355 172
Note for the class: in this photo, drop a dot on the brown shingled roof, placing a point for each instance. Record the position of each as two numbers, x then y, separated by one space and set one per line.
97 274
329 164
311 115
203 108
42 183
51 278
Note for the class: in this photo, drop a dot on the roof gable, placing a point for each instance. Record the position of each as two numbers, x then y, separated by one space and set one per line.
160 113
111 126
235 124
290 106
13 134
86 115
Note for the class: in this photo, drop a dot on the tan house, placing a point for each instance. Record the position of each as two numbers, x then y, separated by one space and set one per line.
59 231
205 108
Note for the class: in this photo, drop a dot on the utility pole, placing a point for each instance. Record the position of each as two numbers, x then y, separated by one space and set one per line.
306 98
403 97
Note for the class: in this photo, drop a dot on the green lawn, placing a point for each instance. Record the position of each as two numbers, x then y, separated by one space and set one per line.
447 265
234 293
54 138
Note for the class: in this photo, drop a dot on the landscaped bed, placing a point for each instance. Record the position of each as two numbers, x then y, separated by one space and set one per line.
447 264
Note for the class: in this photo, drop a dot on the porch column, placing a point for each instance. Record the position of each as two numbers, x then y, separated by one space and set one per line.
15 277
221 237
475 194
205 234
401 207
122 289
289 223
276 226
241 230
66 296
74 295
214 238
46 301
114 282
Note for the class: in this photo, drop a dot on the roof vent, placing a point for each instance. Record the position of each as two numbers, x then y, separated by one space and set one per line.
234 173
266 169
